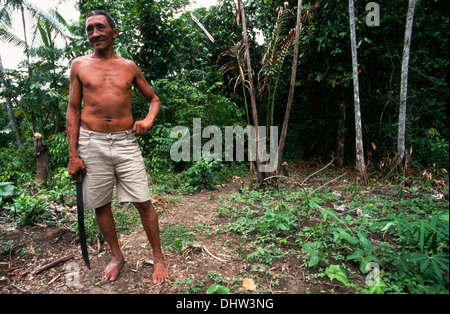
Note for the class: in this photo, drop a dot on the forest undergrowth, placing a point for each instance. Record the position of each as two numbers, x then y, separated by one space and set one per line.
318 232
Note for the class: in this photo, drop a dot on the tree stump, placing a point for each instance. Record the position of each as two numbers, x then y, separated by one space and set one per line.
41 154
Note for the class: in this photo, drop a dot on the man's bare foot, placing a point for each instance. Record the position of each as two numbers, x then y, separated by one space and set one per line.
112 271
160 273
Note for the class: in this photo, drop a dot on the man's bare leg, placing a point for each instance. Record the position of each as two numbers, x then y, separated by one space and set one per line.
105 221
149 219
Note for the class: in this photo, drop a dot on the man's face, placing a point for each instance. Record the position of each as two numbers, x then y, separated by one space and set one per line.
100 34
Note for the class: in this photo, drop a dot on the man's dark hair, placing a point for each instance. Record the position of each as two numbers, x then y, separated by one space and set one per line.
108 17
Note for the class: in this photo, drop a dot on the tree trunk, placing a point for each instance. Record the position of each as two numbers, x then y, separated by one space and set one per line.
12 119
41 154
404 87
340 149
361 172
291 88
259 174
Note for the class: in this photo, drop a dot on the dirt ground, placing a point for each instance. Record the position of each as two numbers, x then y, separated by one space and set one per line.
190 269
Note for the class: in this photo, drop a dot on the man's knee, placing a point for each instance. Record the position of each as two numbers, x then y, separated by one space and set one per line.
144 207
103 208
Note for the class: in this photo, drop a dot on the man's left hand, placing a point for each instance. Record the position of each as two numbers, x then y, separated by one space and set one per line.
141 127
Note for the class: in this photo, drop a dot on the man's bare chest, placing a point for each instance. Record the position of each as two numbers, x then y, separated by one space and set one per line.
106 76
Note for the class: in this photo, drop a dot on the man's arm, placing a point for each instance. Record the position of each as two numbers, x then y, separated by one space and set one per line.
73 121
141 127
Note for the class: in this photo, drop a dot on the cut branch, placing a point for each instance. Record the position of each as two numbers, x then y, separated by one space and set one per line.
53 264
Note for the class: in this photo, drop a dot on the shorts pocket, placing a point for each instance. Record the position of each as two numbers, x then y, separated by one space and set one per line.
83 145
131 138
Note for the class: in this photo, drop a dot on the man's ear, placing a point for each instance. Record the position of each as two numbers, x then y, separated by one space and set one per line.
115 33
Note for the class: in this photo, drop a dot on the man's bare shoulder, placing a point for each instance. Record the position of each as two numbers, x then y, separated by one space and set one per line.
131 66
127 62
80 60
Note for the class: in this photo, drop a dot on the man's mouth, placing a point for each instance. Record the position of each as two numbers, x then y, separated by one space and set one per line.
98 40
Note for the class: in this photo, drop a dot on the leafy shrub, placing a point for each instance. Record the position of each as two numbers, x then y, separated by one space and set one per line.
59 150
423 239
7 190
29 209
202 174
277 220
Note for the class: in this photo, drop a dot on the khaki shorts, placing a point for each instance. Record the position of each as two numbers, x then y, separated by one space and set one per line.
112 159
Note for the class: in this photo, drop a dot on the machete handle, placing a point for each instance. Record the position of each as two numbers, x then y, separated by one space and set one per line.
79 177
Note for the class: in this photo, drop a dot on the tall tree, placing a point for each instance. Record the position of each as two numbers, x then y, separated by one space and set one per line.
7 36
52 19
402 161
12 119
241 10
23 6
291 88
361 172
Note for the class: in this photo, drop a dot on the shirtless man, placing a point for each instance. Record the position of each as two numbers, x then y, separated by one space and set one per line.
101 141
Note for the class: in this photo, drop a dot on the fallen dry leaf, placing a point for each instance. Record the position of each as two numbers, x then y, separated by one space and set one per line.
249 284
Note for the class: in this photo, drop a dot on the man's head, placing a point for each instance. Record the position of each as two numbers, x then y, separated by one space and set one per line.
101 30
108 17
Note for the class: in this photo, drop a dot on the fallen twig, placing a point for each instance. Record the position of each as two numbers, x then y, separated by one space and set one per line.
217 258
21 290
54 279
327 183
314 173
52 264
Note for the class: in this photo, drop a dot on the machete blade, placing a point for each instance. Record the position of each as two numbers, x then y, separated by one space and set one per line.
80 211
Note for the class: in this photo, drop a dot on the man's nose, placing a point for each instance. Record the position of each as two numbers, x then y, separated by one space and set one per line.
95 33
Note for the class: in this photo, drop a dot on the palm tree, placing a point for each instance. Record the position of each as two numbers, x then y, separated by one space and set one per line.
12 119
9 6
53 19
7 36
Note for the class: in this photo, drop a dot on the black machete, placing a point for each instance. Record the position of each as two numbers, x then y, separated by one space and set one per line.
80 210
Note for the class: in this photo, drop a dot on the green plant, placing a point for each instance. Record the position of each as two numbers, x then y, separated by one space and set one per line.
30 209
59 150
202 174
265 254
6 246
60 187
176 237
314 250
7 190
277 220
336 272
217 289
422 237
194 285
217 278
363 249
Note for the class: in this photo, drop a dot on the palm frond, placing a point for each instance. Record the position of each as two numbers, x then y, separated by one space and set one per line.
276 50
10 38
56 21
236 64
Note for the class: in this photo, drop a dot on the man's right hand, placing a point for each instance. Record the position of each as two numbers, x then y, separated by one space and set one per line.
76 165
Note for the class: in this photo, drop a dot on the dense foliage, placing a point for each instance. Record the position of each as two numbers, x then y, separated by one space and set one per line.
184 68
